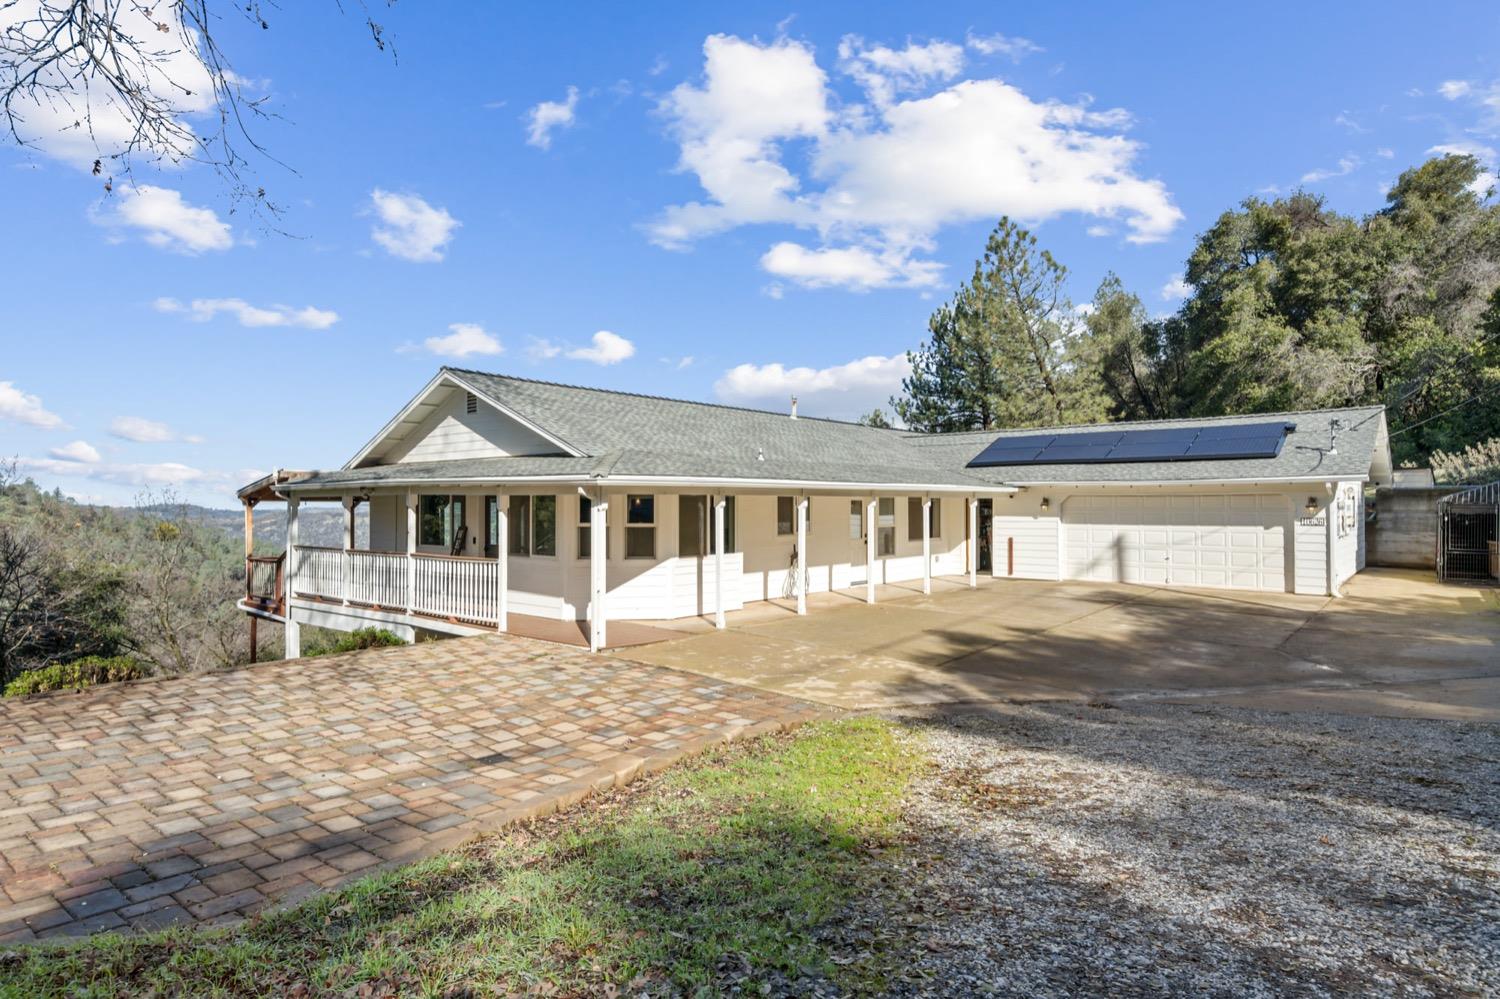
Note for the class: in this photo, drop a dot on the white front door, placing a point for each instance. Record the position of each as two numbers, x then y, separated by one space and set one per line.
1208 539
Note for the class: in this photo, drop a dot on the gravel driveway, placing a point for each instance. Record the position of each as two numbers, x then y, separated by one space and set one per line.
1154 849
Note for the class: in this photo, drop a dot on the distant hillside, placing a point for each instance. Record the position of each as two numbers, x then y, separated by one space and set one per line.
318 524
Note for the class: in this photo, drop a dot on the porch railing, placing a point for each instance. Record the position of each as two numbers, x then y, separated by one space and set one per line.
446 586
465 589
377 579
265 582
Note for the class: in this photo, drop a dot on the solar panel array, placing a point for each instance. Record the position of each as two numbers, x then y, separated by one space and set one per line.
1243 440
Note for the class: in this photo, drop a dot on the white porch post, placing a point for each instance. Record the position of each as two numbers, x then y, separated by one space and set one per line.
348 561
926 544
719 505
871 508
292 629
502 563
598 580
1332 546
801 567
973 541
411 553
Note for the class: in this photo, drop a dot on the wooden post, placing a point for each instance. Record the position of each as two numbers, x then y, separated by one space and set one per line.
719 506
801 567
598 580
502 562
253 639
293 630
249 549
926 544
871 509
1010 556
411 553
973 542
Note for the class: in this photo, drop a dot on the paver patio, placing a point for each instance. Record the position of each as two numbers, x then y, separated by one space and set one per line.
209 798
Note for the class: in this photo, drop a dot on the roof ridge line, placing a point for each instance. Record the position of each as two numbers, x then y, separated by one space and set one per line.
663 398
939 434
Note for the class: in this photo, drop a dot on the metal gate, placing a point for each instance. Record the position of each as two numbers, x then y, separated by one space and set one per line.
1466 535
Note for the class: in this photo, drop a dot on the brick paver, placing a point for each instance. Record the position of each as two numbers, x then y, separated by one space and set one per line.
207 798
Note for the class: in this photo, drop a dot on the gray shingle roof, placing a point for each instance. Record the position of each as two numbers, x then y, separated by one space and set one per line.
1305 454
624 435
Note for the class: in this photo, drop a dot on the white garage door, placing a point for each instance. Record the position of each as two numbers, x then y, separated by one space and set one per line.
1177 540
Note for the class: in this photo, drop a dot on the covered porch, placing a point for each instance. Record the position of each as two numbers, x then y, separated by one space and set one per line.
596 565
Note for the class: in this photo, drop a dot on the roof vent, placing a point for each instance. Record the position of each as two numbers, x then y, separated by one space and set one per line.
471 402
794 407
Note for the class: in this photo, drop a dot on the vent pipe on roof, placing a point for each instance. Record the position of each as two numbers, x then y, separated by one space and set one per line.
794 407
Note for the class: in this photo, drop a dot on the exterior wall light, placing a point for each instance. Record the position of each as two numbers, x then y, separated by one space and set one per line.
1046 503
1312 505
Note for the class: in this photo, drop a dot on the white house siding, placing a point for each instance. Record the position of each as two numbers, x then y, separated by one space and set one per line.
452 433
1310 555
1023 529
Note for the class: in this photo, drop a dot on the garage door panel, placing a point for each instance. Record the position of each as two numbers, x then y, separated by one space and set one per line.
1226 540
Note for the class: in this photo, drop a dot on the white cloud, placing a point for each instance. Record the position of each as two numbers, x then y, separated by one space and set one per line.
203 309
411 228
886 177
77 451
1011 46
883 72
538 349
1483 97
78 119
22 407
608 348
547 116
844 389
463 340
156 475
1385 153
686 362
851 267
1348 121
1176 289
1347 165
164 219
144 431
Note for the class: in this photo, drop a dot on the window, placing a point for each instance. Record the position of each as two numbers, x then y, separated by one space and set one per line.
885 526
914 518
696 525
856 521
520 525
440 521
585 529
544 525
640 527
491 527
785 515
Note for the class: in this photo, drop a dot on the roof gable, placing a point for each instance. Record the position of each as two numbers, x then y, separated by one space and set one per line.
437 424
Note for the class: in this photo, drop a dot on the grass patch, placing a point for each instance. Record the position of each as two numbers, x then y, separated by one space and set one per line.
719 873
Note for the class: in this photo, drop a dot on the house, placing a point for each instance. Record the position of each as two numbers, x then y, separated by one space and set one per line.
490 496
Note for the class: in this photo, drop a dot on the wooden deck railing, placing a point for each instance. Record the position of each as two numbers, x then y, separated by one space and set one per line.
265 578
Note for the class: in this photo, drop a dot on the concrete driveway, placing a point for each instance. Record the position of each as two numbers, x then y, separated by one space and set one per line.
1397 643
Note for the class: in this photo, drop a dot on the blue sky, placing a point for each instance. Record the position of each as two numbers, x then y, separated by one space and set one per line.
731 205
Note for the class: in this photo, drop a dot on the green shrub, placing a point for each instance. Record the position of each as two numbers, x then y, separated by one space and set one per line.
89 671
364 638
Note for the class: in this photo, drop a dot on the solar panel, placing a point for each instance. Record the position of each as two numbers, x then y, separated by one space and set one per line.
1243 440
1231 431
